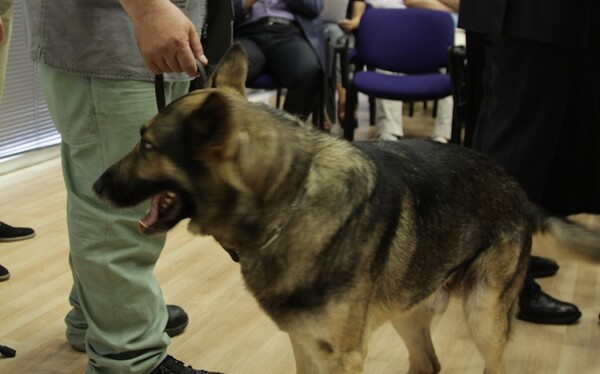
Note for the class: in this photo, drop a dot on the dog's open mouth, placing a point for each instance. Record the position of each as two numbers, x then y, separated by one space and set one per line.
166 210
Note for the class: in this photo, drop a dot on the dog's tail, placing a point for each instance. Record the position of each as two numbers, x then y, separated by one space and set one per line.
569 233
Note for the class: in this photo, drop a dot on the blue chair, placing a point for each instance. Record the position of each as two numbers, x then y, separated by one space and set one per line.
267 82
413 42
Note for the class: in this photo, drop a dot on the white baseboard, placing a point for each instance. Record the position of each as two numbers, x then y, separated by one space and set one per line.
14 163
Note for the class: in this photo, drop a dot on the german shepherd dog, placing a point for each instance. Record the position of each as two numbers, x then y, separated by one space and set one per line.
336 238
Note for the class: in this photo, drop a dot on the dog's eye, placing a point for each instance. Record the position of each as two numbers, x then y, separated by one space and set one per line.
146 146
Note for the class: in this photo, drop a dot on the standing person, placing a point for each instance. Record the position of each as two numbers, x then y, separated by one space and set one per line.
5 31
536 66
8 232
99 89
284 38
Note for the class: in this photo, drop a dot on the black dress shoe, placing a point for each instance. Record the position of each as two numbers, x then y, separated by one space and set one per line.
177 322
541 267
538 307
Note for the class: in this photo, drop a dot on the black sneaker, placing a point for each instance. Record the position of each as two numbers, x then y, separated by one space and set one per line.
4 274
172 366
11 234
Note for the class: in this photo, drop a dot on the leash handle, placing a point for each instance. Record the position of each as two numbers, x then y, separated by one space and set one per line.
159 84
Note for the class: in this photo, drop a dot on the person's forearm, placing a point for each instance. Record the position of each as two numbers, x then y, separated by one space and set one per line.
137 8
358 9
428 4
452 4
248 3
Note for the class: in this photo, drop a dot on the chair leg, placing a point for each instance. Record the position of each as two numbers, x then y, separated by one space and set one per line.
372 111
350 121
318 115
455 136
411 108
278 98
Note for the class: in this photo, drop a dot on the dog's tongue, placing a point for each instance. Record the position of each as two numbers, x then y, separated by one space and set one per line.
152 215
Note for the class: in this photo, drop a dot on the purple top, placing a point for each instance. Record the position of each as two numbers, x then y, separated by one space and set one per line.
268 8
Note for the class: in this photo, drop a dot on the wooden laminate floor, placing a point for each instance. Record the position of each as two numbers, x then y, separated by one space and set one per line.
227 331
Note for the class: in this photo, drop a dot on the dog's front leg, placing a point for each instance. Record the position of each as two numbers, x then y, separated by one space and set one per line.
318 357
304 362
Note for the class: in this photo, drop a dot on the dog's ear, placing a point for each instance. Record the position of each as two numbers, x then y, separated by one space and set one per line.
210 130
231 71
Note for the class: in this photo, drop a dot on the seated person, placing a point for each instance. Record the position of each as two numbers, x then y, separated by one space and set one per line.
338 32
389 112
284 39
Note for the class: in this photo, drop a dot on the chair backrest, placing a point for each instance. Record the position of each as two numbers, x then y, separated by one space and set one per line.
410 41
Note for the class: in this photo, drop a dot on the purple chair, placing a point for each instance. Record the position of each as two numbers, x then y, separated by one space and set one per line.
414 42
267 82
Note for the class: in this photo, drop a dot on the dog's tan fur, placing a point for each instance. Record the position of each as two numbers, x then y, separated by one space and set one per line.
370 232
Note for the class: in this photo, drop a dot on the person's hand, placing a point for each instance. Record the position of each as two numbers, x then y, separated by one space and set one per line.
166 38
248 3
349 25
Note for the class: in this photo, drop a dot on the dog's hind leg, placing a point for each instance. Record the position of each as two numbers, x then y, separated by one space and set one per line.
488 322
490 303
415 329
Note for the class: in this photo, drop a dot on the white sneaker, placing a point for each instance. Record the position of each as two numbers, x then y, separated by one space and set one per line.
387 137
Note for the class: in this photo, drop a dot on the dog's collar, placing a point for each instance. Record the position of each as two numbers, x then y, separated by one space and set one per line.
296 205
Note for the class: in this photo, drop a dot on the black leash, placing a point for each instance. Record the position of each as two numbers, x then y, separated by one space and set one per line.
159 84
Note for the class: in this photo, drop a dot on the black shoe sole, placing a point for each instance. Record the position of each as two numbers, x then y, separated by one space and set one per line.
16 238
565 320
